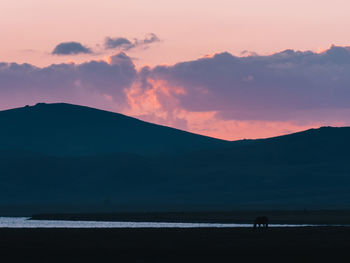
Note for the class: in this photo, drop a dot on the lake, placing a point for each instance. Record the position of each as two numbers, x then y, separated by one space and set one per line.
23 222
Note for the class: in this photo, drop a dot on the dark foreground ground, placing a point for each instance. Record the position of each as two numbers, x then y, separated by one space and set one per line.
309 244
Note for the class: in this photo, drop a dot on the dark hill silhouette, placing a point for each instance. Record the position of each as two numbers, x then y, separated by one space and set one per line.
65 129
64 158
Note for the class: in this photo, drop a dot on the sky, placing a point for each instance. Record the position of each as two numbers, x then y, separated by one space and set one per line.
228 69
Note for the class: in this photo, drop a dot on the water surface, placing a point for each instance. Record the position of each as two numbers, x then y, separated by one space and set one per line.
23 222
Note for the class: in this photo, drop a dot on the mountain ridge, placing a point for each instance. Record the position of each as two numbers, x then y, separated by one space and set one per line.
80 130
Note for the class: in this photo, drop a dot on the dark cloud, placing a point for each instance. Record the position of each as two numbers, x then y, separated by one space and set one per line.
70 48
122 43
150 38
118 42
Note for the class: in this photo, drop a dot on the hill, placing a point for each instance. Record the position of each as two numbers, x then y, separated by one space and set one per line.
52 169
65 129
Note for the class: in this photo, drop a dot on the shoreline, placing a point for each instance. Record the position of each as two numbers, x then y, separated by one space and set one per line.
23 222
317 217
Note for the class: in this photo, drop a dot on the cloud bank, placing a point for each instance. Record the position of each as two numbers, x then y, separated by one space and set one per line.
223 95
276 87
70 48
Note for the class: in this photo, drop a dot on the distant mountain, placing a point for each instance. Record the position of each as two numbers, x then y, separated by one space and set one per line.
65 129
66 158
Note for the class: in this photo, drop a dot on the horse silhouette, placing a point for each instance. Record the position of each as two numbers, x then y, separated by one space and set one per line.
261 221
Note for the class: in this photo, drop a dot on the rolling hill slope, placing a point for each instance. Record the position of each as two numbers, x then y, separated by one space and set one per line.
87 160
65 129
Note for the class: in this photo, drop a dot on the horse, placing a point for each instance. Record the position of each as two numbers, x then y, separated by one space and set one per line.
261 221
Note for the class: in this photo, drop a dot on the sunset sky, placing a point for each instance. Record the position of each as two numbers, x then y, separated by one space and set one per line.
252 68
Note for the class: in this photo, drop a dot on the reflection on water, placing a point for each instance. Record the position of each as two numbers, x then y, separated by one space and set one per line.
23 222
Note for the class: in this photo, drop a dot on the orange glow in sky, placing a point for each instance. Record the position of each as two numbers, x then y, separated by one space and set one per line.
157 104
